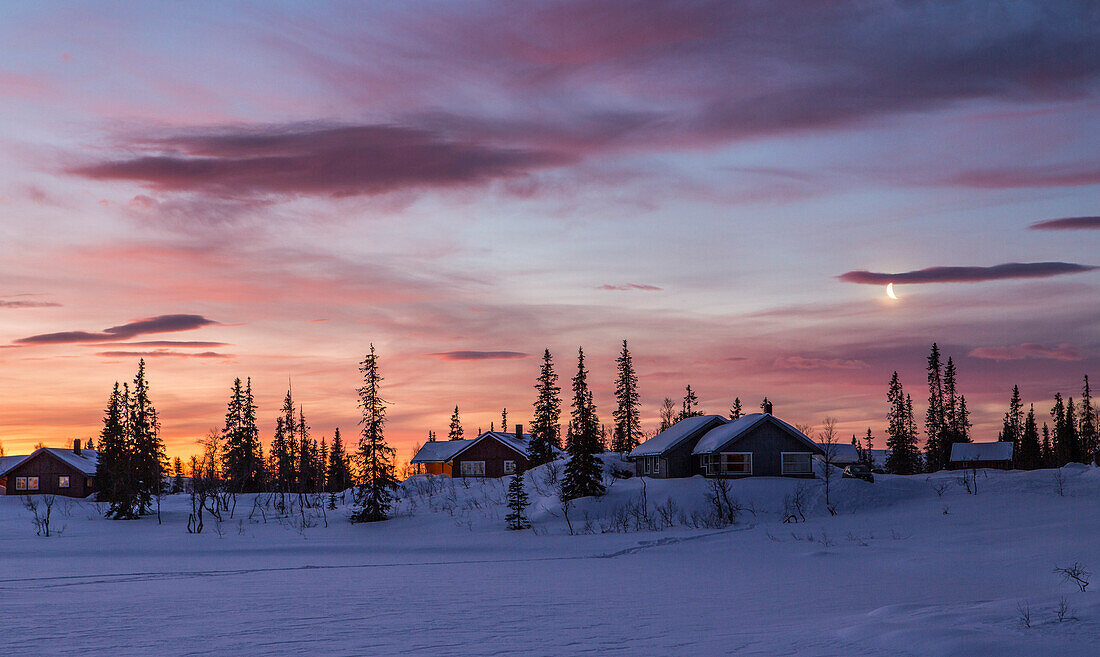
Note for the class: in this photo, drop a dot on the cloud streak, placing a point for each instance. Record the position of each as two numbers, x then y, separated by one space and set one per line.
1064 352
317 159
28 304
158 324
162 353
1009 270
628 286
1068 223
479 355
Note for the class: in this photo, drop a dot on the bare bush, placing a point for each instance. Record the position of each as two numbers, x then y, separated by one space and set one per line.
794 506
1064 612
1024 611
1076 574
1060 483
940 487
41 513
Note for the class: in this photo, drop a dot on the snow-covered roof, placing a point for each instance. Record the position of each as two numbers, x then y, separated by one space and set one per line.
998 451
85 462
726 433
843 452
675 434
441 451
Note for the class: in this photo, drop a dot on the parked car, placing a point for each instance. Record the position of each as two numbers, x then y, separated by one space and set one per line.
859 471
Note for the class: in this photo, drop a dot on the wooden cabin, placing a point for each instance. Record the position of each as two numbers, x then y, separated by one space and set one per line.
50 471
965 456
755 445
492 454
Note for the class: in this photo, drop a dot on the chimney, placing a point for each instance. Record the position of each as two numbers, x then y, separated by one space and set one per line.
76 447
519 432
768 407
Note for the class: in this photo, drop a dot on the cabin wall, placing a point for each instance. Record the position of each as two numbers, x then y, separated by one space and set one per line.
967 465
48 468
494 453
766 442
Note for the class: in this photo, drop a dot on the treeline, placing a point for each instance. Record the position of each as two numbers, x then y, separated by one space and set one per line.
1071 436
132 463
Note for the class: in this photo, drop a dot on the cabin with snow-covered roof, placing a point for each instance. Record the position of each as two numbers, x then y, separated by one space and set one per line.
757 444
491 454
50 471
997 455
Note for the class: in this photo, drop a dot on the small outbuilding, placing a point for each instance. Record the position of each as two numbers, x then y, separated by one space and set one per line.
491 454
997 455
50 471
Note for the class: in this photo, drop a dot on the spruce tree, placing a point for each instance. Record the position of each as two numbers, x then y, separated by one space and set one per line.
338 478
1069 434
1060 448
114 471
148 458
374 494
546 425
1088 433
307 456
1012 428
517 503
735 409
322 467
455 432
628 425
934 421
504 420
584 472
901 431
689 405
1049 459
236 466
252 464
1029 453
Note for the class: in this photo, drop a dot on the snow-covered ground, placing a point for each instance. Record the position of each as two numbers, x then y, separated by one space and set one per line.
901 570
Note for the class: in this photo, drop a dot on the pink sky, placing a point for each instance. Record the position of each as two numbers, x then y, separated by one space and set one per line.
726 185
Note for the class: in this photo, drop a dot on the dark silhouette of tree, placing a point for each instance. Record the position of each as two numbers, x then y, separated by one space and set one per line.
546 425
1088 431
901 431
584 472
241 462
517 504
374 495
114 472
628 425
339 471
735 409
1029 453
935 424
689 407
455 432
668 414
148 459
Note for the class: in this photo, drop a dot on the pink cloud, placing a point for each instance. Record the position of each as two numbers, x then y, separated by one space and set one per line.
804 363
628 286
1063 351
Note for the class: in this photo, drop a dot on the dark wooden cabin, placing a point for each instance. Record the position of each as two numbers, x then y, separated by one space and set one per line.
492 454
51 471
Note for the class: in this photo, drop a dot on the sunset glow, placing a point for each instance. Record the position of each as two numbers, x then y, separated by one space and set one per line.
263 191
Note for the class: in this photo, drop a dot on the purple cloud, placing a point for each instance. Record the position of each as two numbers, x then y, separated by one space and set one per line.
1067 223
1008 270
479 355
162 353
628 286
28 304
803 363
342 160
1063 351
1014 177
158 324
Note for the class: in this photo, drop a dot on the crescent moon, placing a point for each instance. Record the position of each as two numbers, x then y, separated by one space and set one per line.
890 291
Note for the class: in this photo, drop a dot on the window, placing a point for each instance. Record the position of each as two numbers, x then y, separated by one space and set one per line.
729 463
645 465
32 483
20 483
509 467
473 468
797 463
656 465
62 482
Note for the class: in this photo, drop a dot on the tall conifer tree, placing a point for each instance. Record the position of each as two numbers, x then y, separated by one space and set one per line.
934 421
546 425
148 459
517 504
1029 454
584 472
377 480
900 431
1088 431
689 407
628 425
339 473
735 409
114 472
455 432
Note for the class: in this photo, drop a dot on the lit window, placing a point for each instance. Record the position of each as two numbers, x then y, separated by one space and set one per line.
509 467
797 463
734 463
20 483
32 483
62 482
473 469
